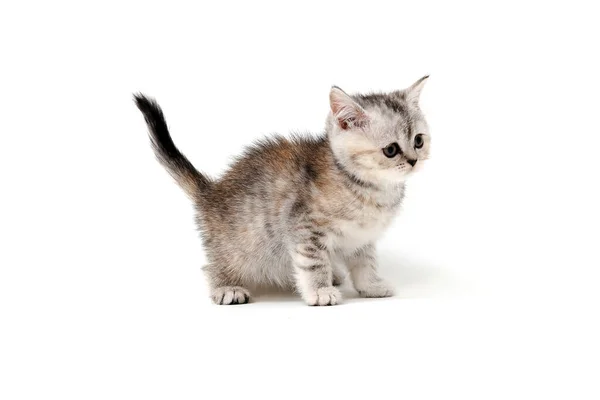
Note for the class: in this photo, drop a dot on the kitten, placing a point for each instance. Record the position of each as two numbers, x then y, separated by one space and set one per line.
299 213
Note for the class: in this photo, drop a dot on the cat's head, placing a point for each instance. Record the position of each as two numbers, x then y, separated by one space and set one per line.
380 137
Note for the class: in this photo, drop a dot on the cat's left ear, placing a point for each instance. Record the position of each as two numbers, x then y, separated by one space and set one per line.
414 91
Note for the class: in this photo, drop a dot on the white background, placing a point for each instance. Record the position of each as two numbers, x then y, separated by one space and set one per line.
494 257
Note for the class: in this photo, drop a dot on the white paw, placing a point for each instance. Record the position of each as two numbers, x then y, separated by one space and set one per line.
226 295
326 296
379 289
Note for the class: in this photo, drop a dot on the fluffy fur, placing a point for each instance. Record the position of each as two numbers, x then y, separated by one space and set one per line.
300 213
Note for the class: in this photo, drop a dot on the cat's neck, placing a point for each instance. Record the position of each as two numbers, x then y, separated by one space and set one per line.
381 193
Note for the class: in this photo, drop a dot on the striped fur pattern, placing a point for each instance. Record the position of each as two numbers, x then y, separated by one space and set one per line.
304 213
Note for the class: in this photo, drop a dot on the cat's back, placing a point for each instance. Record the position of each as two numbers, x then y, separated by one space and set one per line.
273 164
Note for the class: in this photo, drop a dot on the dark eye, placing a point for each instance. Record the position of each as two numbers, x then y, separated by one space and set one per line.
419 141
391 150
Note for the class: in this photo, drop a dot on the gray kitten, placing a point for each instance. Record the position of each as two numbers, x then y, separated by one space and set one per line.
298 213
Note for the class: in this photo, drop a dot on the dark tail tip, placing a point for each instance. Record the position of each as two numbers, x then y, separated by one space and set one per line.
159 132
167 153
149 107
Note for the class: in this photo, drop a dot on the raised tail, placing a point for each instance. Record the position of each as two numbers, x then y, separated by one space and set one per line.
181 169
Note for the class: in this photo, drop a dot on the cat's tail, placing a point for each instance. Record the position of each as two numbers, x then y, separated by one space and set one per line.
181 169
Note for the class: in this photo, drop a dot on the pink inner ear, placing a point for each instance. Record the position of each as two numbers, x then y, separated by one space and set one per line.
356 119
352 121
348 115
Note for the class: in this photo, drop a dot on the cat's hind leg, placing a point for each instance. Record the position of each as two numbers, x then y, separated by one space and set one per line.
226 295
225 288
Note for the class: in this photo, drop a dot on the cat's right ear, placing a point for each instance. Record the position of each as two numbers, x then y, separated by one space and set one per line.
346 111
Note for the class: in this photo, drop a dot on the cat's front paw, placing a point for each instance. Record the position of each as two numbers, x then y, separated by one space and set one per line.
379 289
325 296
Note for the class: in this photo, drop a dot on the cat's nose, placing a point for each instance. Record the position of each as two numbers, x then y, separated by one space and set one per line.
412 162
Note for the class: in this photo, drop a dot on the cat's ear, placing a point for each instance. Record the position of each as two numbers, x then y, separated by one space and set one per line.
346 111
414 91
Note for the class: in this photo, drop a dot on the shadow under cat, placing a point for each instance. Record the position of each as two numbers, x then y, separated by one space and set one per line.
411 279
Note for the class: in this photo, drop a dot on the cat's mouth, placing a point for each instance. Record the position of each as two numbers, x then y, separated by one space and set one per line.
407 168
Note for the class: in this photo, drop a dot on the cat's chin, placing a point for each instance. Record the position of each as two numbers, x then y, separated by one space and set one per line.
396 178
393 182
414 170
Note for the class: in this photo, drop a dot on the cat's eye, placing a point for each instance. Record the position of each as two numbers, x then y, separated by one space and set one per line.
419 141
391 150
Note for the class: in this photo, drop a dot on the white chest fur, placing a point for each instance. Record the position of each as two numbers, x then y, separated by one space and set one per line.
367 228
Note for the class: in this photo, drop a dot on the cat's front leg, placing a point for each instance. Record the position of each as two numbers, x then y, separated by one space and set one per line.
363 270
314 272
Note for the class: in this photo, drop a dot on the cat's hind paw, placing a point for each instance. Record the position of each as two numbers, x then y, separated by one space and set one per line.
226 295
